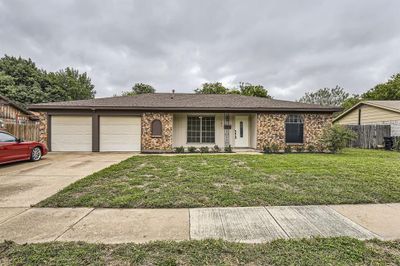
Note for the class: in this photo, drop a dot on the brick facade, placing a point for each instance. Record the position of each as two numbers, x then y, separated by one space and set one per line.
158 143
271 128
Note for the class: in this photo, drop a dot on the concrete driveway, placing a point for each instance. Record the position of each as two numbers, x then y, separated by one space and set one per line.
26 183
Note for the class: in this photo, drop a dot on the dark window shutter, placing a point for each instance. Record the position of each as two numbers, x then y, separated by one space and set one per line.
156 128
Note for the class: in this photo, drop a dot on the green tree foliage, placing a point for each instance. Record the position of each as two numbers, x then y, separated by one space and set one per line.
71 85
139 88
326 96
389 90
23 82
336 137
212 88
244 89
351 101
249 89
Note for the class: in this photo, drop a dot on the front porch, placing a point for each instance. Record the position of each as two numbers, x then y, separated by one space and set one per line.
238 130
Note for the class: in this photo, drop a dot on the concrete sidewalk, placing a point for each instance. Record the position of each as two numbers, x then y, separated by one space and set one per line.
248 225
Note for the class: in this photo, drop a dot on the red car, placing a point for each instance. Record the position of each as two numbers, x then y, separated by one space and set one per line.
13 149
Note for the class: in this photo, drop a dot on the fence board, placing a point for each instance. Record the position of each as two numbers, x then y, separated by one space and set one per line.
369 136
27 131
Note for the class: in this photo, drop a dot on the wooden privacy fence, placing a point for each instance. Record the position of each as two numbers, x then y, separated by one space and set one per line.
369 136
29 130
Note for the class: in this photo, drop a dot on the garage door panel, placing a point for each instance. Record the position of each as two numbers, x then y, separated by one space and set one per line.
120 130
71 133
75 120
120 133
71 130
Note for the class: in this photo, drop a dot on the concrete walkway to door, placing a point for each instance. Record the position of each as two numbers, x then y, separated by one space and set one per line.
23 184
248 224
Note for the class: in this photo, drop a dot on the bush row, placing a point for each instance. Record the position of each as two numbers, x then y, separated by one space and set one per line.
204 149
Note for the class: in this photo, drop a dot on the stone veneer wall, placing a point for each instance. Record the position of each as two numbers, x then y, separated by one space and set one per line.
163 143
42 126
271 128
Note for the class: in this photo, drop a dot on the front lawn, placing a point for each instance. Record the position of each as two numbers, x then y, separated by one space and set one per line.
156 181
320 251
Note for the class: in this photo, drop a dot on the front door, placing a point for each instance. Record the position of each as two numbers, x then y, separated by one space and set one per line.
241 131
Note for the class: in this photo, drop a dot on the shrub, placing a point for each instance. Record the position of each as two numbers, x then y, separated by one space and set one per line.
216 148
336 137
204 149
274 147
267 149
311 148
396 144
180 149
228 149
300 148
192 149
288 149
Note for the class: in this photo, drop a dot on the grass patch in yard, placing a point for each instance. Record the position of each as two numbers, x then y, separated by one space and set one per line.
154 181
318 251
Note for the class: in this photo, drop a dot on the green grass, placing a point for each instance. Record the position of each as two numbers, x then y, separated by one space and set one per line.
318 251
354 176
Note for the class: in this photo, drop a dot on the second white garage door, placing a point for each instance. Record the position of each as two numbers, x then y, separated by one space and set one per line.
120 133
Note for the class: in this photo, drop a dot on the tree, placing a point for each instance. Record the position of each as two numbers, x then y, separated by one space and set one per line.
23 82
326 96
139 88
69 84
212 88
351 101
253 90
385 91
336 137
244 89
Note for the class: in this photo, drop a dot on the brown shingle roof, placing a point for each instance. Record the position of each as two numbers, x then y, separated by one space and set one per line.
186 101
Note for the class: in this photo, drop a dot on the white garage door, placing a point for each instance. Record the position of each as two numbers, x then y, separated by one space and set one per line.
71 133
119 133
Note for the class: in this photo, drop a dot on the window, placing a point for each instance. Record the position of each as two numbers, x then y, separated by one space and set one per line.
200 129
6 138
156 128
241 129
294 129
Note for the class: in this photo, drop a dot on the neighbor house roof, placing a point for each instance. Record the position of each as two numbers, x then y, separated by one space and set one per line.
185 101
16 106
393 106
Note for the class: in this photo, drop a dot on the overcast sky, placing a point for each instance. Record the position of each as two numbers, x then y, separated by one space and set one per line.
288 47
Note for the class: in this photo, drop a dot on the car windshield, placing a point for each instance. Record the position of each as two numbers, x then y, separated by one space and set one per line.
4 137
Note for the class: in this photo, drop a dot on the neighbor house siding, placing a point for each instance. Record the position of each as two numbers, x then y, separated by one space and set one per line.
371 115
349 119
271 128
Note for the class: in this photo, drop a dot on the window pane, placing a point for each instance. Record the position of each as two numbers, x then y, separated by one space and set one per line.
193 129
208 130
241 129
156 128
6 138
294 133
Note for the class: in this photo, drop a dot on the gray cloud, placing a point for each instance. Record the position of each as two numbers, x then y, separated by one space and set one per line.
288 46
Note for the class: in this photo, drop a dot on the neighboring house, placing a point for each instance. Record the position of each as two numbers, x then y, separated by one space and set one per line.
373 113
13 114
162 121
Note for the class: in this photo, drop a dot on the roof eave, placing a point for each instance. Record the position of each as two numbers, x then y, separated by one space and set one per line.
253 109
